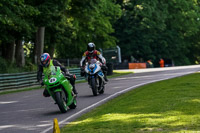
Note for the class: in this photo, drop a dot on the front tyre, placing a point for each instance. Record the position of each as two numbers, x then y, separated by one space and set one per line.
60 100
94 87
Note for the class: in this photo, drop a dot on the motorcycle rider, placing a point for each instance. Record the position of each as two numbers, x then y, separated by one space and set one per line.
45 63
92 53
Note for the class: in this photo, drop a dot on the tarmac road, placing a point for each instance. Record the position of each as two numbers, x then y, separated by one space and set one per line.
30 112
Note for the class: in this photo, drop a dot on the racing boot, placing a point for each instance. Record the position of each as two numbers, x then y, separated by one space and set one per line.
105 77
74 90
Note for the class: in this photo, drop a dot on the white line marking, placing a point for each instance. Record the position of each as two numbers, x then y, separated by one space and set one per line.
139 77
6 126
16 111
107 98
7 102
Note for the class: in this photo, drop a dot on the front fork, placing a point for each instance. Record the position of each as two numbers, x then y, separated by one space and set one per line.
91 77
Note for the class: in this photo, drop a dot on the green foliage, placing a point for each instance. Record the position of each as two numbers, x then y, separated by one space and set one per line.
7 67
152 29
50 11
15 19
91 22
3 65
61 39
147 29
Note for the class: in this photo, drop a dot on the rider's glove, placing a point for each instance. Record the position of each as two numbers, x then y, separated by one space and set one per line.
104 61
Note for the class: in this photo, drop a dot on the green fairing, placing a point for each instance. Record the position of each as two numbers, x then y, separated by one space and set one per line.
56 82
66 84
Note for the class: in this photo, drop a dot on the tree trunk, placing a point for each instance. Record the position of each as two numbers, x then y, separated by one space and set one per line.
52 47
35 51
20 59
3 50
39 44
9 51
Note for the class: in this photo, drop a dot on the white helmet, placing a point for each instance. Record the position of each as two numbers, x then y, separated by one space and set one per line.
91 47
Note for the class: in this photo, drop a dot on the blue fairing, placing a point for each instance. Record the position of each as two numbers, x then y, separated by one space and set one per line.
100 73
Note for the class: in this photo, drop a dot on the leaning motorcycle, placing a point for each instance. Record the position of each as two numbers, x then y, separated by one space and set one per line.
95 76
60 89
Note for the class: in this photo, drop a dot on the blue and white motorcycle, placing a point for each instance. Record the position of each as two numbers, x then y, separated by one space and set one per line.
95 76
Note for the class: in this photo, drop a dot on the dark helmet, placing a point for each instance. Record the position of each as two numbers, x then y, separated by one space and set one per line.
45 59
91 47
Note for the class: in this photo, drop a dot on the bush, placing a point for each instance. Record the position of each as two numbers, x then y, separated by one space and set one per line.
3 65
6 67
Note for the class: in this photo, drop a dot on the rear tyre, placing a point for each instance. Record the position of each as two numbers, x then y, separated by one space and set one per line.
60 100
94 87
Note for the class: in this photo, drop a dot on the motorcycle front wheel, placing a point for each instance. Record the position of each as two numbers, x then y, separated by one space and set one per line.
94 86
61 101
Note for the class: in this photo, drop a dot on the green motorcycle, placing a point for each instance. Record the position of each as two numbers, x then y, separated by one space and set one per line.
60 89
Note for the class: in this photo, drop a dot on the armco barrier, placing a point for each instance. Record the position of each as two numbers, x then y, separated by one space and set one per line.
26 79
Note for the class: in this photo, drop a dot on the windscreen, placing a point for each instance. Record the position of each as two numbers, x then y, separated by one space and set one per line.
92 61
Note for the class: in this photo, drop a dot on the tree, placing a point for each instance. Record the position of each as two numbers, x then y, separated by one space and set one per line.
50 13
151 29
19 55
15 23
91 22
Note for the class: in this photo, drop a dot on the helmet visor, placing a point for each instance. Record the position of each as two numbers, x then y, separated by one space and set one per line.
90 49
45 63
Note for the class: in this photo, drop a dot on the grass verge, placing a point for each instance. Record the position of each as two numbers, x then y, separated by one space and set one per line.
170 106
119 73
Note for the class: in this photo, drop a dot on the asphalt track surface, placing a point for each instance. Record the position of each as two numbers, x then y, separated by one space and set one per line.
30 112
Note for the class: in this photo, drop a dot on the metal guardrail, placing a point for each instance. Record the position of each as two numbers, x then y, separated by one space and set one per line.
77 72
26 79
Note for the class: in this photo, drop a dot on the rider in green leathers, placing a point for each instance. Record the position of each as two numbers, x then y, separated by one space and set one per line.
45 63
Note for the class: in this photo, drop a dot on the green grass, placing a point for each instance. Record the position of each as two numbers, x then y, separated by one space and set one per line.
170 106
119 73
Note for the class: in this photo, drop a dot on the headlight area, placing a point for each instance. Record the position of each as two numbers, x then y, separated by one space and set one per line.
55 87
92 66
